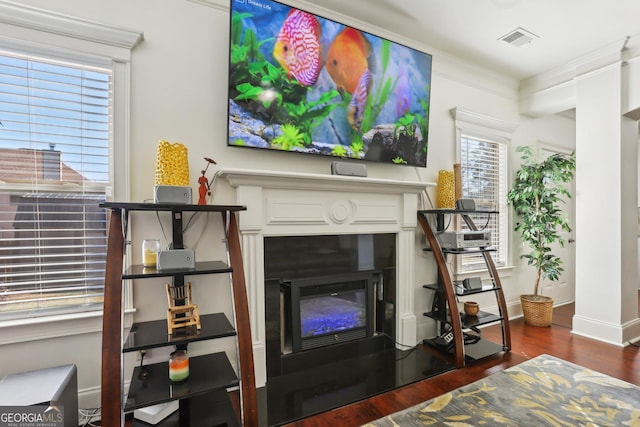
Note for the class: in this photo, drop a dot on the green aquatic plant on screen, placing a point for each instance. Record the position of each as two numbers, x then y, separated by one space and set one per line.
308 114
339 151
289 138
381 92
407 125
357 146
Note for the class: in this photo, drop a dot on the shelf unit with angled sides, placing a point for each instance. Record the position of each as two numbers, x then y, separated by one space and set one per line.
453 325
203 397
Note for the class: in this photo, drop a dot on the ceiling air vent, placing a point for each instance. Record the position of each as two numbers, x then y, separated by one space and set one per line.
519 37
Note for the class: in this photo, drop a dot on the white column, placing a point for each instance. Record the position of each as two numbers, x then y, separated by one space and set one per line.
252 249
606 215
406 271
251 227
405 288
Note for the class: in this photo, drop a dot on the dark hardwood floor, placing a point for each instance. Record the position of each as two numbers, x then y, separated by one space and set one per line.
527 342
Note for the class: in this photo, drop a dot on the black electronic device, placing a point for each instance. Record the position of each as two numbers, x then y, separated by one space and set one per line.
445 340
472 283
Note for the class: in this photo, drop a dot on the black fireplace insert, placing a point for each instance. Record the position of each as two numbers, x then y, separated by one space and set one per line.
326 310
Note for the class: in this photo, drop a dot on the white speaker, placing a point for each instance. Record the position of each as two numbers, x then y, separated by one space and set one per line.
351 169
172 194
176 259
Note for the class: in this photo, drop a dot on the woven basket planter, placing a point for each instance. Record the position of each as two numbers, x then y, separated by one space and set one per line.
537 309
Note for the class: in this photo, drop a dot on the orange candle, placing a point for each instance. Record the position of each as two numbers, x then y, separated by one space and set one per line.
178 366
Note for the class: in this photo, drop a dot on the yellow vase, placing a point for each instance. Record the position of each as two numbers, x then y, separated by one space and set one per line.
172 164
446 190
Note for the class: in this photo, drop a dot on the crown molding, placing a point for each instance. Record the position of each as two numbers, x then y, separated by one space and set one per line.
216 4
59 24
470 117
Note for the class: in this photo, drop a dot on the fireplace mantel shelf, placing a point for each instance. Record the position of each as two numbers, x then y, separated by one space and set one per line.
320 182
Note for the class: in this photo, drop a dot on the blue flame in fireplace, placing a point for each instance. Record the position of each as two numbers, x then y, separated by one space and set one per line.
331 313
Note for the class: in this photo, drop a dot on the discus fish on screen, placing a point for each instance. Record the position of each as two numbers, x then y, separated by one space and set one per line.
348 58
297 48
355 111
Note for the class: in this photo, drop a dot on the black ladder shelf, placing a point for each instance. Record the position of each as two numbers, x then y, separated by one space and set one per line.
464 346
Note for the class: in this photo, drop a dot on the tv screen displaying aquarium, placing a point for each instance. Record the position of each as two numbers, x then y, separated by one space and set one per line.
299 82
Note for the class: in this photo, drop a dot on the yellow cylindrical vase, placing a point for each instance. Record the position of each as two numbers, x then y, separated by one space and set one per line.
172 164
446 190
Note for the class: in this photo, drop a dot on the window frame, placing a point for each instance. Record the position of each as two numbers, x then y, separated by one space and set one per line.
50 34
497 131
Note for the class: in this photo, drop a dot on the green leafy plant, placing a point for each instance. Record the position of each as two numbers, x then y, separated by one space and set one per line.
356 147
289 138
405 124
308 114
399 161
536 197
339 151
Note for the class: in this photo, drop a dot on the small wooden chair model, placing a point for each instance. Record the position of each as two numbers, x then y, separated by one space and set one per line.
182 311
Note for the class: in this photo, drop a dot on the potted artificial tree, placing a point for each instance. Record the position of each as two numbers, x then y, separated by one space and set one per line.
535 197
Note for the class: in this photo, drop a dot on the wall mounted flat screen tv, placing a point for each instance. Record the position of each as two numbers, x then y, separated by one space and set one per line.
299 82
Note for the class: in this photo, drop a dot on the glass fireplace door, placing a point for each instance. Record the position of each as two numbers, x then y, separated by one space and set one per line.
330 309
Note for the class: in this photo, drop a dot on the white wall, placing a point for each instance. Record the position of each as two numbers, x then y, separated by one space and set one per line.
178 93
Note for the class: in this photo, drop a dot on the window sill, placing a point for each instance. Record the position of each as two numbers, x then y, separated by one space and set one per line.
503 272
47 327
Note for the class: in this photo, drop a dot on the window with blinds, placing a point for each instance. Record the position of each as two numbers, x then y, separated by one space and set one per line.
55 136
483 166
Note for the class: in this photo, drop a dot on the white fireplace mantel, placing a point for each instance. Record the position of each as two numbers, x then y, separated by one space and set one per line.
292 204
319 182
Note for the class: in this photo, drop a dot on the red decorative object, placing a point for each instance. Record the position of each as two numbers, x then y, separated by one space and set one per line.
202 190
205 185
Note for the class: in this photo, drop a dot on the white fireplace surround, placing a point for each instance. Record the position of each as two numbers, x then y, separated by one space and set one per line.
302 204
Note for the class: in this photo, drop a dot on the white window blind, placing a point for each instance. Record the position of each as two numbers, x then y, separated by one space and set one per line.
483 166
55 142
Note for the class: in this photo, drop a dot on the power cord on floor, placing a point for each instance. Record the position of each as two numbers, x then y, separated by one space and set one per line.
410 348
87 415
